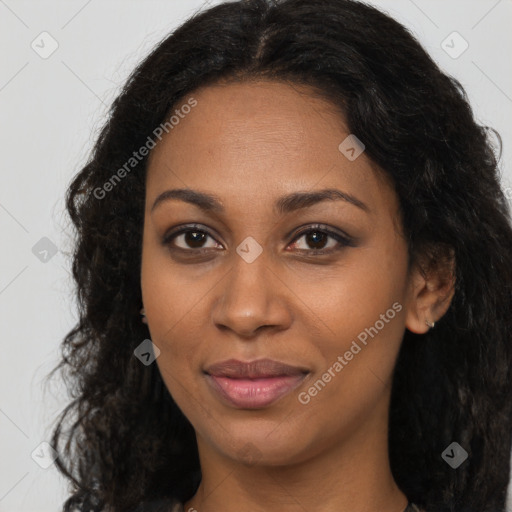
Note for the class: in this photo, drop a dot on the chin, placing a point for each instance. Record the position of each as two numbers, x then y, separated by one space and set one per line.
260 451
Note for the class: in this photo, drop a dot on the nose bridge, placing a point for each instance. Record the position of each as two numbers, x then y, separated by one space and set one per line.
250 297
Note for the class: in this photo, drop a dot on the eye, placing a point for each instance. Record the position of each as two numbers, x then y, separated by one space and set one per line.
189 238
316 240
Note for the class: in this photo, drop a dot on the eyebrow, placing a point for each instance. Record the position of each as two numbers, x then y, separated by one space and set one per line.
285 204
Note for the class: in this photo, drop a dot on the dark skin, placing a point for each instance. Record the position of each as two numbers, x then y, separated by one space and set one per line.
249 144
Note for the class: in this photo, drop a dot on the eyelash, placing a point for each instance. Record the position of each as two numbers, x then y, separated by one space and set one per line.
343 241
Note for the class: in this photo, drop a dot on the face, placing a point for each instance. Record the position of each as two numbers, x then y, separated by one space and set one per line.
260 270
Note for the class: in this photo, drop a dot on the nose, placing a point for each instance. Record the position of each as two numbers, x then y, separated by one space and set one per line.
252 298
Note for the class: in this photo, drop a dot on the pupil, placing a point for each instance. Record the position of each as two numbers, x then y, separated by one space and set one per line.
317 238
194 238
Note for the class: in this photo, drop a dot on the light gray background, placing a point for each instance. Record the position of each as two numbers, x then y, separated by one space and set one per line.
51 110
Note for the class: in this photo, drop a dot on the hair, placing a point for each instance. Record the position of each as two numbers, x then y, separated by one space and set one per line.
128 444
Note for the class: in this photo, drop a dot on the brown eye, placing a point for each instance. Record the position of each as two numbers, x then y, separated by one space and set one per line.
190 238
321 241
194 238
316 239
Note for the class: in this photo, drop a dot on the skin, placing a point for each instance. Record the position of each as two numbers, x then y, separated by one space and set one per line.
250 143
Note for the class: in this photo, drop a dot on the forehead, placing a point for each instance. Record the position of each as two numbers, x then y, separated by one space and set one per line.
260 140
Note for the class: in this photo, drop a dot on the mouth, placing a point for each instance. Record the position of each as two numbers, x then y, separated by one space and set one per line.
253 385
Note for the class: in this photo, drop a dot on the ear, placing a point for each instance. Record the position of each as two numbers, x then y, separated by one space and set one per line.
431 288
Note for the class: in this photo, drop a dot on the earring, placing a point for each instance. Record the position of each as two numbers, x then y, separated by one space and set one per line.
143 313
430 324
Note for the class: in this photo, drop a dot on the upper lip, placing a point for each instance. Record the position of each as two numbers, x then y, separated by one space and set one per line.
260 368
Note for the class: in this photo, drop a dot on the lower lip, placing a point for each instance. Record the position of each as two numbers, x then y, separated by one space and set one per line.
253 393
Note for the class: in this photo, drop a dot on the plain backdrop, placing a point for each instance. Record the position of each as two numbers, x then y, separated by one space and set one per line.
51 111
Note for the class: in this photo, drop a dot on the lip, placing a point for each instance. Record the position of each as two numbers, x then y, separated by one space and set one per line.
260 368
255 384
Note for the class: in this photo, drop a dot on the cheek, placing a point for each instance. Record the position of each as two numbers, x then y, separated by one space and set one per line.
173 312
171 303
363 316
169 294
355 295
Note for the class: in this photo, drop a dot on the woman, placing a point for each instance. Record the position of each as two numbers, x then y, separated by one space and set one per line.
311 220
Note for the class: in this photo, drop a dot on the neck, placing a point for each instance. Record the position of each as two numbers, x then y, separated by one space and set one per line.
353 475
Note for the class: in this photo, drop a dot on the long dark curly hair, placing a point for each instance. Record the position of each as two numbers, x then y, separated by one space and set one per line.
122 440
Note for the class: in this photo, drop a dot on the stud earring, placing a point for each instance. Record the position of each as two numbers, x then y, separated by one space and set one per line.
143 313
430 324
